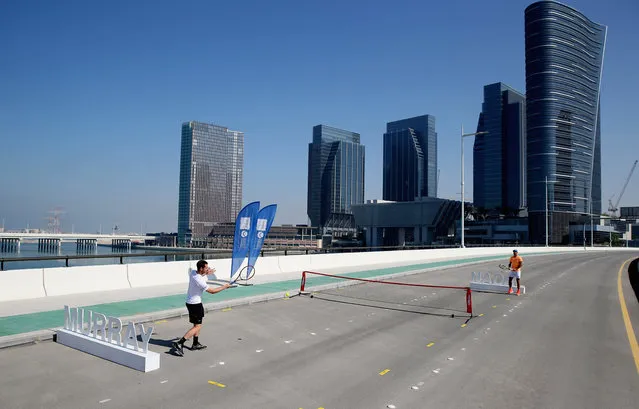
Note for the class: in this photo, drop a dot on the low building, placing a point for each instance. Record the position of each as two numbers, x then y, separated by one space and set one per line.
286 235
496 231
422 222
162 239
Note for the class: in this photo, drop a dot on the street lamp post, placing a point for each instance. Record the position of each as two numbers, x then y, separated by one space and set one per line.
463 213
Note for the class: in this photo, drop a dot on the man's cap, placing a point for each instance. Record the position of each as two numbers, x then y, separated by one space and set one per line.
515 251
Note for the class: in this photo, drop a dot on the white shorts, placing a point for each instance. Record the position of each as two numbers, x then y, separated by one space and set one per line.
515 274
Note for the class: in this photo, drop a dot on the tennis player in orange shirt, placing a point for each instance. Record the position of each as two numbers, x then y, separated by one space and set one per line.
515 271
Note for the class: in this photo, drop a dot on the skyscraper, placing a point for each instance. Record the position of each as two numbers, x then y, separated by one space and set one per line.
335 179
211 174
564 62
410 159
499 157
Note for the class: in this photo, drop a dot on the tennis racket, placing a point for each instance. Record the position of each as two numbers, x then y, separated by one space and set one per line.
504 267
244 275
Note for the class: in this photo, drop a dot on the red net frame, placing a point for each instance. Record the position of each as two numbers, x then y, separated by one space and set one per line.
469 296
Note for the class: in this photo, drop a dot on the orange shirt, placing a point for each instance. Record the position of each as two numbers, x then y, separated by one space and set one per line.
516 262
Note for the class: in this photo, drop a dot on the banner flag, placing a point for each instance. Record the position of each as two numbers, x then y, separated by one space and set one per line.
243 224
263 223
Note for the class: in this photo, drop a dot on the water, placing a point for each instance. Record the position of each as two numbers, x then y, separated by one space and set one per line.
29 250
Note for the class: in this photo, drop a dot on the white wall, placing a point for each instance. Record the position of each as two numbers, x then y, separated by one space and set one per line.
27 284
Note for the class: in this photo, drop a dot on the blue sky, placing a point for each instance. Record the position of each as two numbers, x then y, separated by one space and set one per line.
93 94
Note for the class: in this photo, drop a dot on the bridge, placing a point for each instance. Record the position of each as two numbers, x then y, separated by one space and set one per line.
46 241
567 342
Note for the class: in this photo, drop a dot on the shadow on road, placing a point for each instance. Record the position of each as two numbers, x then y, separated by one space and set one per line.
633 275
364 302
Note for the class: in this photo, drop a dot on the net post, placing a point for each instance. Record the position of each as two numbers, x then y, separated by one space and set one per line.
303 283
469 301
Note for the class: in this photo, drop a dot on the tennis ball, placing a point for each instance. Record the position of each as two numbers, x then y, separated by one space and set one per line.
286 294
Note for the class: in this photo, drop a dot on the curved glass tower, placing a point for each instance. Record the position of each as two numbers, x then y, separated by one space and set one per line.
564 61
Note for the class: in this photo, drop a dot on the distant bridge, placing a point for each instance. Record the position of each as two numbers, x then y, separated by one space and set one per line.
49 241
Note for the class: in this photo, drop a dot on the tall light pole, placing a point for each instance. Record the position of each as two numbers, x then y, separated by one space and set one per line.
463 213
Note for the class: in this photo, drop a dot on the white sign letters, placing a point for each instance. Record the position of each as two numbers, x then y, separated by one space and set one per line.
106 329
488 278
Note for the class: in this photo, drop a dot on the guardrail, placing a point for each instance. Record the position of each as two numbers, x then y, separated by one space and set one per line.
213 253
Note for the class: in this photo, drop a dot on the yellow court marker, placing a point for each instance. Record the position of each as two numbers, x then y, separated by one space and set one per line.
463 325
226 309
430 345
626 319
384 372
481 315
221 385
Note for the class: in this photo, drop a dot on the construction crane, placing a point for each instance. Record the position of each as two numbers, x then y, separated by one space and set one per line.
613 208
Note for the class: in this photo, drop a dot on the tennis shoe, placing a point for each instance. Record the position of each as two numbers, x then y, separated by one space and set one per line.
197 347
179 348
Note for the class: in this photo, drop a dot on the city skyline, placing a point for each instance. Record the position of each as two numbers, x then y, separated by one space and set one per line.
336 162
211 178
499 156
564 64
116 161
410 159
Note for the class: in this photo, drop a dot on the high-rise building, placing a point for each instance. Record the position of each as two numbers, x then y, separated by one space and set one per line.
410 159
499 156
211 174
564 62
335 179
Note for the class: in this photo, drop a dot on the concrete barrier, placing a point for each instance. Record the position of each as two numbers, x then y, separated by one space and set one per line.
21 284
154 274
268 266
85 279
27 284
290 264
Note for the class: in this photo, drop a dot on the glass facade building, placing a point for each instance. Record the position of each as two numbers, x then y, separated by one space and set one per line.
211 175
499 157
335 179
410 159
564 62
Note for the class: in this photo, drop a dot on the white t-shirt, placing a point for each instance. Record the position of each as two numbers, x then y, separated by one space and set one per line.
197 285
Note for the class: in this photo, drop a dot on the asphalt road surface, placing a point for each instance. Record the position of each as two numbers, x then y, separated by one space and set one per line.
561 345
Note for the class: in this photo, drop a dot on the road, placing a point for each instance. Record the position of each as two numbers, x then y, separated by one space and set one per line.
561 345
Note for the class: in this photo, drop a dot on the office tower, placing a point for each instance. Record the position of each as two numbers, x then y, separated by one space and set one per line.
499 156
211 174
564 62
335 179
410 159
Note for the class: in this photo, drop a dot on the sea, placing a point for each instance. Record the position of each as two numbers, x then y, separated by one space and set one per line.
30 250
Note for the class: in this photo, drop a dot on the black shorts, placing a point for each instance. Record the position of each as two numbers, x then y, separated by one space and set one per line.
196 313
